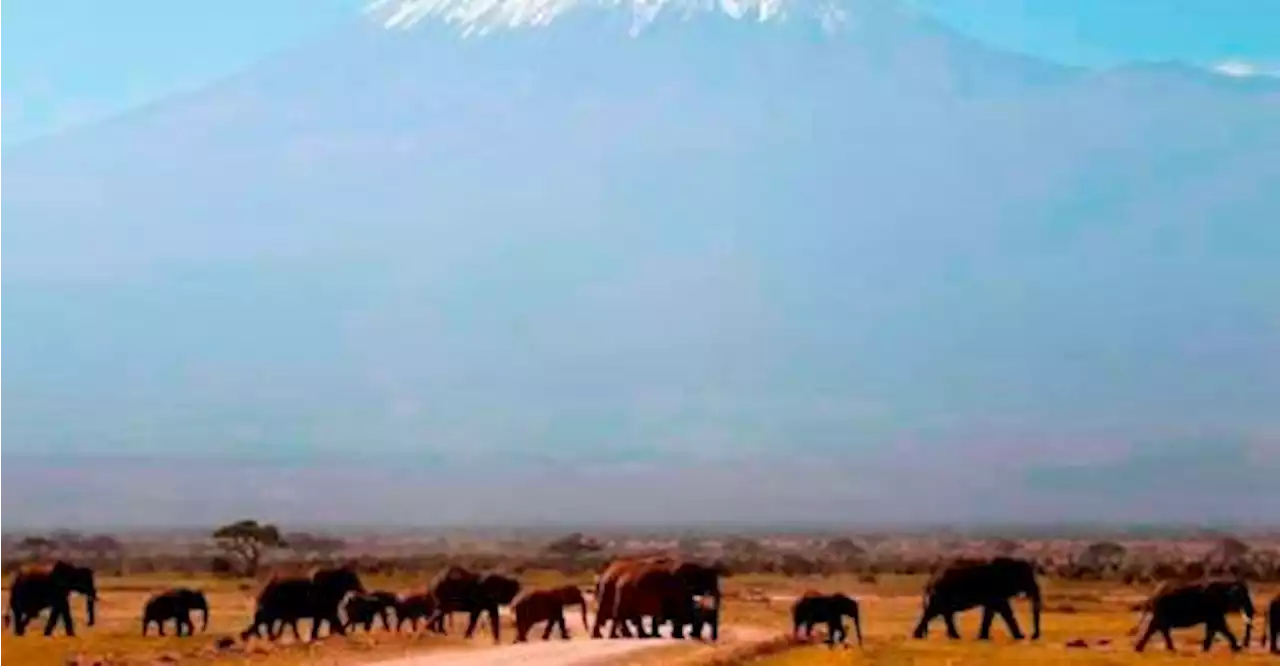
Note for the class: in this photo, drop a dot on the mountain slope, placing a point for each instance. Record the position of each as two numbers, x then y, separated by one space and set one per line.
715 240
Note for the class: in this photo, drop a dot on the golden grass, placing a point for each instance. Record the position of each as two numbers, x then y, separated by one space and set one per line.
1097 613
756 611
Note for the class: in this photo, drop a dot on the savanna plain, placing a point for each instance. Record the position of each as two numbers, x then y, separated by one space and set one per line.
1092 585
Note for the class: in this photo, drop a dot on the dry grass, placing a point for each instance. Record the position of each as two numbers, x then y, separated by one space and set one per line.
117 638
1098 613
756 609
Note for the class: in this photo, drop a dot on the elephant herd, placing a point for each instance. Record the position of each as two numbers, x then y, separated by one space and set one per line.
664 590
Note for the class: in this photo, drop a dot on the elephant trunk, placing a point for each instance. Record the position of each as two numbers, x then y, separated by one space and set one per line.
203 607
585 625
90 600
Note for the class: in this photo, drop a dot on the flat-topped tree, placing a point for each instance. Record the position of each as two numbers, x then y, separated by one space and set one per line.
247 541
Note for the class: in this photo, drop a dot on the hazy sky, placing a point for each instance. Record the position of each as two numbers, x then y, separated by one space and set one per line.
73 63
601 278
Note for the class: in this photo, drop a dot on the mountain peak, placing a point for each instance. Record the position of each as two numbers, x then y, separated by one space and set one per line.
480 17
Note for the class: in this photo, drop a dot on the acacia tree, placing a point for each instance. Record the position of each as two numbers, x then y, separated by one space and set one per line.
247 541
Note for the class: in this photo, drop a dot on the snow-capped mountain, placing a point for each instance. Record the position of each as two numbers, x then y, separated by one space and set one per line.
605 231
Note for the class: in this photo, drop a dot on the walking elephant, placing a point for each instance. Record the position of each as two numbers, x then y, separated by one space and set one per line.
414 607
175 604
967 583
37 587
664 589
1177 605
607 588
363 609
813 607
547 606
458 590
1271 632
317 597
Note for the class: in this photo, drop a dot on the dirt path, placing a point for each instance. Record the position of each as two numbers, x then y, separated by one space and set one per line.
580 650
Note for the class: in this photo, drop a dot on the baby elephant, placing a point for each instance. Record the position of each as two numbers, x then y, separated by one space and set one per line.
175 604
812 608
363 609
414 607
547 606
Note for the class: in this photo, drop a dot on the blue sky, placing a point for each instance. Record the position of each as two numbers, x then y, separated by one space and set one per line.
74 63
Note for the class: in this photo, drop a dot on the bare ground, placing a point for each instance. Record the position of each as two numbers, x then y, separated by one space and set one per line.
579 650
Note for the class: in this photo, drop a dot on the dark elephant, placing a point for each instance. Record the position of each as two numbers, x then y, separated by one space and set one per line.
286 600
664 589
37 587
990 583
175 604
1271 632
547 606
1185 604
458 590
363 609
414 607
813 608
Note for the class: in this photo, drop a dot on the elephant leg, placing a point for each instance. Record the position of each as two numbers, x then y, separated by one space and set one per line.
471 623
926 616
1005 610
952 632
188 624
1219 626
386 619
984 630
19 622
564 626
551 626
833 631
61 610
293 624
493 620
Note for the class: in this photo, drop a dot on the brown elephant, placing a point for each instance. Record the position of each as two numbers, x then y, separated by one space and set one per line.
1186 604
1271 629
665 590
458 590
607 586
547 606
363 609
990 583
813 608
40 586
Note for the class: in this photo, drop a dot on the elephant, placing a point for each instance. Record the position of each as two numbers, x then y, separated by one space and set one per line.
966 583
1185 604
457 589
606 588
175 604
1271 630
813 607
664 589
547 606
289 599
365 608
414 607
37 587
